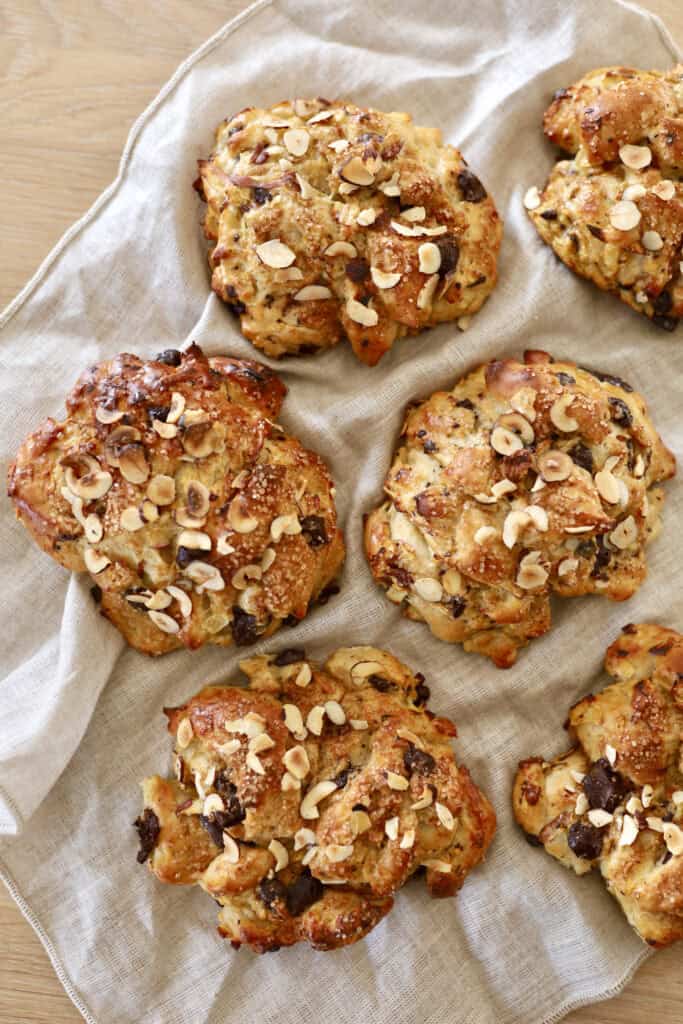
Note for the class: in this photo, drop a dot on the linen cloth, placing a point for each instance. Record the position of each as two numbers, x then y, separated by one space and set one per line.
80 714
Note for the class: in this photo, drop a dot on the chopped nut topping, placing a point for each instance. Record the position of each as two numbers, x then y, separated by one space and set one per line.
183 599
424 801
309 804
238 518
629 831
367 217
296 140
391 828
103 415
634 192
314 719
664 189
223 547
503 487
538 516
355 171
407 839
258 744
532 198
93 529
652 241
426 293
558 413
94 561
159 599
673 837
177 407
275 254
185 733
405 230
205 575
635 157
441 866
625 534
131 520
384 280
313 293
93 482
624 215
554 465
523 402
267 559
294 721
361 314
253 762
240 579
133 464
396 781
429 256
335 712
212 804
647 794
339 145
391 187
341 249
280 854
164 622
599 818
531 575
514 525
607 486
231 850
610 754
444 815
567 566
304 675
362 669
581 805
428 589
485 533
195 540
505 442
161 489
358 723
288 783
304 837
296 760
288 524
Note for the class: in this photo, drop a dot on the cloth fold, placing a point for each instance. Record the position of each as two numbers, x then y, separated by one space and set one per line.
80 716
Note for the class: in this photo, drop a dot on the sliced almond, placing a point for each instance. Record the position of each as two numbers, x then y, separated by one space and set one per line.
673 837
133 464
406 230
355 171
94 561
391 828
384 280
426 293
313 293
600 818
267 559
581 805
407 839
339 145
396 781
664 190
635 157
296 140
92 527
647 794
323 115
634 192
158 601
429 257
275 254
231 850
336 852
164 622
360 822
335 712
428 588
303 676
607 486
254 763
358 723
185 733
213 804
361 314
205 575
309 805
531 575
367 217
314 719
341 249
538 517
625 534
444 815
503 487
425 800
524 401
223 546
567 566
184 600
485 533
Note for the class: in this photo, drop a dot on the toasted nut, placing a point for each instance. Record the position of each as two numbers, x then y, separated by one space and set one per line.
198 439
673 837
309 804
312 292
428 589
391 187
515 523
426 293
625 534
429 256
304 837
336 853
485 533
383 279
366 217
294 721
607 486
197 499
624 215
231 850
395 781
360 822
635 157
361 314
355 171
581 805
104 415
314 719
503 487
206 576
656 824
452 582
424 801
92 484
652 241
505 442
531 575
558 413
280 853
339 145
261 742
223 547
391 828
567 566
183 599
267 559
185 733
131 520
664 189
251 725
538 516
407 839
133 464
275 254
254 764
633 804
164 622
165 430
524 402
296 760
92 527
647 794
195 540
94 561
444 815
296 140
335 712
341 249
239 520
304 675
358 723
159 600
288 524
241 578
161 489
611 754
414 213
532 199
212 804
554 465
599 818
517 423
177 407
363 669
634 192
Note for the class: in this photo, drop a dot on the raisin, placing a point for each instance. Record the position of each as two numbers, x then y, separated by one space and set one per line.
243 626
549 215
465 403
158 412
148 830
416 760
422 691
261 195
602 557
381 684
472 189
184 556
585 840
313 531
596 232
604 787
289 657
170 356
450 254
620 412
661 648
609 378
342 778
331 590
303 893
234 812
428 447
457 605
582 456
271 891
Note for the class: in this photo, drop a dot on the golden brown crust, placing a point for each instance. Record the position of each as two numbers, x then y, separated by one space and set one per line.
172 474
260 187
616 799
624 128
454 543
323 790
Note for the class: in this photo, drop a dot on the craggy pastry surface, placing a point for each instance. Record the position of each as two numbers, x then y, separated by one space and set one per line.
395 799
189 510
454 544
615 800
259 187
593 119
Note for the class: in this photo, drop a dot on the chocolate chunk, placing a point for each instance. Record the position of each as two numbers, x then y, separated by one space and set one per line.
313 531
450 254
585 840
620 412
148 830
472 189
289 657
303 893
96 593
234 812
604 787
663 303
428 447
261 195
381 684
271 891
422 691
218 821
582 456
342 778
416 760
566 378
465 403
549 215
358 269
667 323
609 378
170 356
243 626
596 232
158 412
602 557
457 606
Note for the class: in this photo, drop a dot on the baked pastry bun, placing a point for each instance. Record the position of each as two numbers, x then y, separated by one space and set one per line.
304 801
525 479
615 800
330 221
197 517
614 213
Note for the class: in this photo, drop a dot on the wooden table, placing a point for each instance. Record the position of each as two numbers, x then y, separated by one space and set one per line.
73 83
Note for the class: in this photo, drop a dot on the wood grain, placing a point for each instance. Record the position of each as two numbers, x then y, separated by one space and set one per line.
75 76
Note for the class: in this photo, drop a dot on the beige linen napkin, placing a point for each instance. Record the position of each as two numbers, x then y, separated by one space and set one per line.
80 715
